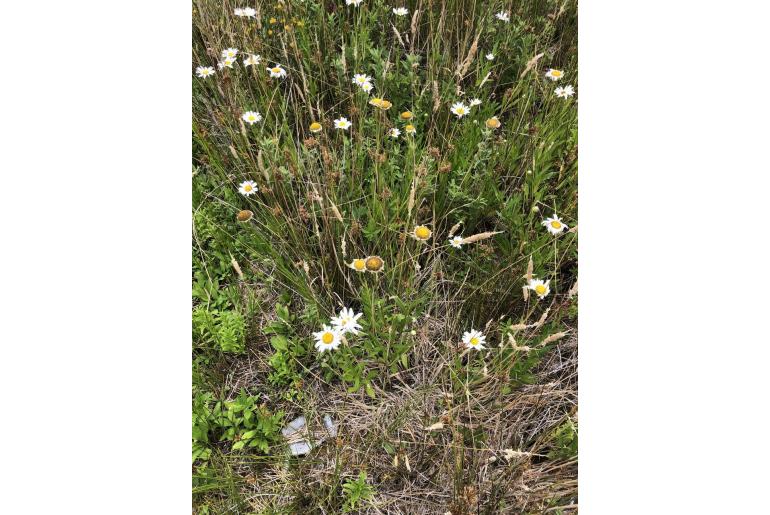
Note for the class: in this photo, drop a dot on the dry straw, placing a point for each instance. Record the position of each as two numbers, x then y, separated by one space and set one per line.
480 236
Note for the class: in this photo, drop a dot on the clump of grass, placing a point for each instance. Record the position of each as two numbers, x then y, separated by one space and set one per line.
350 157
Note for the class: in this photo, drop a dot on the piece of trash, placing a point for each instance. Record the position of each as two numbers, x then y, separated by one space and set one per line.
437 425
299 439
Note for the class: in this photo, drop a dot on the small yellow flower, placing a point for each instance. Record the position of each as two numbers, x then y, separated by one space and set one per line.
359 265
421 233
374 263
410 129
315 127
273 21
407 115
492 123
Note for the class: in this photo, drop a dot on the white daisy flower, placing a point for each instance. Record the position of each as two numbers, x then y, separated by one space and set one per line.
475 102
251 117
541 288
367 87
359 265
204 71
359 79
229 52
565 92
249 12
252 59
459 109
554 225
456 242
277 71
238 11
228 62
474 339
248 188
554 74
400 11
354 3
327 339
490 56
342 123
394 132
347 321
503 16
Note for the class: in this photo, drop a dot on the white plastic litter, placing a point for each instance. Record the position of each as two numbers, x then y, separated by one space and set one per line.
297 435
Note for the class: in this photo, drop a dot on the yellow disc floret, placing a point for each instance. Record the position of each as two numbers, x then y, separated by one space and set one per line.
421 232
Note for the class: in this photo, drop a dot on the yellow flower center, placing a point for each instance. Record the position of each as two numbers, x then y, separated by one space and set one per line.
327 338
555 224
247 187
410 128
374 263
493 123
276 70
540 289
474 341
556 73
359 264
422 232
251 118
406 115
315 126
460 110
384 104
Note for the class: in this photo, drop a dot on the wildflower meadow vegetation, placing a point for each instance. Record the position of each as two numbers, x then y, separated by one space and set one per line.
385 244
